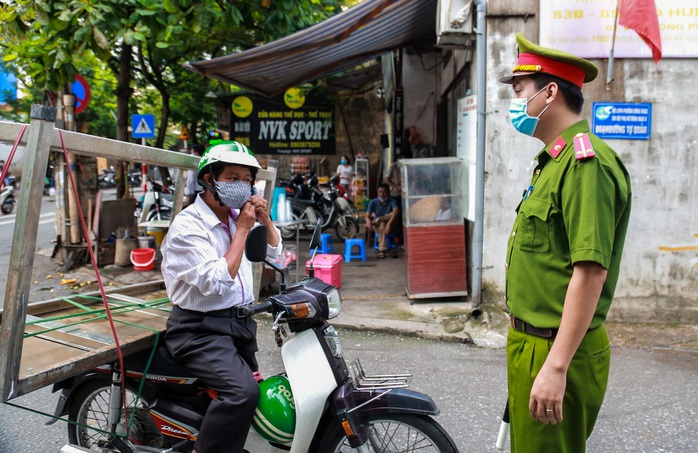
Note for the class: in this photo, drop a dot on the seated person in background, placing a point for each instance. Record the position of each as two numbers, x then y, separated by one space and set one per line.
382 216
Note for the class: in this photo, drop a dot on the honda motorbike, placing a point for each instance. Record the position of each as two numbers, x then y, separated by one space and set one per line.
7 199
318 405
311 204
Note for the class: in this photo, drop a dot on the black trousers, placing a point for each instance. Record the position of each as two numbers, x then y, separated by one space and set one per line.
220 350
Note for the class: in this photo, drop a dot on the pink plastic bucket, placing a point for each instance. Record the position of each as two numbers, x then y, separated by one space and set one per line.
143 259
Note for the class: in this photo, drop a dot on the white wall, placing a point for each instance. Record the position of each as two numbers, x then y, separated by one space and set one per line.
654 285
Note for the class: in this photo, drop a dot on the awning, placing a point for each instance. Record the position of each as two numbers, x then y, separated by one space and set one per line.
363 32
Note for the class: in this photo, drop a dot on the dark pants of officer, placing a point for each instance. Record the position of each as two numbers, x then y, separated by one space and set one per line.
219 348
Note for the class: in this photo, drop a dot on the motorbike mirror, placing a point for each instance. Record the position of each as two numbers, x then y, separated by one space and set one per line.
316 240
256 244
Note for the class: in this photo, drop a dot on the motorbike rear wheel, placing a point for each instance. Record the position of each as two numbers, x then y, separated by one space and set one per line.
8 205
348 231
164 214
395 433
90 407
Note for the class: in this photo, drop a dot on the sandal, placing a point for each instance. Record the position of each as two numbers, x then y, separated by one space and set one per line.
393 254
381 254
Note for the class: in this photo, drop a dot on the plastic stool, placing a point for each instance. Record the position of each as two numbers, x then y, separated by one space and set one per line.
326 247
390 242
349 244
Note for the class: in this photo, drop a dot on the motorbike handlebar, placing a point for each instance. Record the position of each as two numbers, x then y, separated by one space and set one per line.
251 310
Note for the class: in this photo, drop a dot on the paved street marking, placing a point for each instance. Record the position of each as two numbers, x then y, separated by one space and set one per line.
10 219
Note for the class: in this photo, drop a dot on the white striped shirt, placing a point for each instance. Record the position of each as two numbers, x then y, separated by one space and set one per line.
193 263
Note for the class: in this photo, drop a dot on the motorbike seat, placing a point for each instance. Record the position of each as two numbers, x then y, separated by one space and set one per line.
163 364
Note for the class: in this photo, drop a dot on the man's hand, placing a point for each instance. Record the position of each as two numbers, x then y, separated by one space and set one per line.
246 218
547 393
260 208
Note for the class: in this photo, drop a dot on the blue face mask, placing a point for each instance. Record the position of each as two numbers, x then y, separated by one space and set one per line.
519 117
234 194
343 161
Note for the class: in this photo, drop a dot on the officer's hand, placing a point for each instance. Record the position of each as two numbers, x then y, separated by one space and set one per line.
547 393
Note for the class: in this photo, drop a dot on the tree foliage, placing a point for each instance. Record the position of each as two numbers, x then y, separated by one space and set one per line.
49 41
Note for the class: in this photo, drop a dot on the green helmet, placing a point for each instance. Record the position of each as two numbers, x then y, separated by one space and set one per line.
230 152
275 416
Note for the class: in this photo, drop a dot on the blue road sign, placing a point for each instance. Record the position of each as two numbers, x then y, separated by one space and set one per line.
143 126
622 120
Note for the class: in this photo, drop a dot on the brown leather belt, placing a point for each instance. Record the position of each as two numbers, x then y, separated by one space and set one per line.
521 326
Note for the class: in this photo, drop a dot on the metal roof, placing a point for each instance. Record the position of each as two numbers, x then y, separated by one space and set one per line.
365 31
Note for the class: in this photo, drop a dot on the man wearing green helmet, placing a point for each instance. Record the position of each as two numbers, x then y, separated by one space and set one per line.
208 278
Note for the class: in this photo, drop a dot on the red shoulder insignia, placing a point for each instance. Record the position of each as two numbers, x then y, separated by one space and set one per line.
557 147
582 146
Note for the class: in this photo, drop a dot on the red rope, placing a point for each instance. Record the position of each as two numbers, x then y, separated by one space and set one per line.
98 275
12 154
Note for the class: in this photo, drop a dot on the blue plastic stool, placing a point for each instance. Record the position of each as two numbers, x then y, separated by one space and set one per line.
390 242
326 246
349 244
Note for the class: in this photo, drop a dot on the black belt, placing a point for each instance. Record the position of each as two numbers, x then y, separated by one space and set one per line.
232 312
521 326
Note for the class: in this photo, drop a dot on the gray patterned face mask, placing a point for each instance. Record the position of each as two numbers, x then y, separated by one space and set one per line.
234 194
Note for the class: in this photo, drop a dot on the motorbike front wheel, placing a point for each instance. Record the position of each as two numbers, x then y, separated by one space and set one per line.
395 433
90 408
289 233
348 231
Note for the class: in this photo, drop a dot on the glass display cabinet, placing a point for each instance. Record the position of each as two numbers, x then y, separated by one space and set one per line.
434 227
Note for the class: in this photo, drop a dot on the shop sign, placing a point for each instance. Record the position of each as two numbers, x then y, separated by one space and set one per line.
295 123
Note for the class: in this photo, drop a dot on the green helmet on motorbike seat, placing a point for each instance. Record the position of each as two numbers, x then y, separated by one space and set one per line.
227 152
275 416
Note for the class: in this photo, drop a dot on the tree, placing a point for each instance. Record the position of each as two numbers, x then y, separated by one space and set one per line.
47 37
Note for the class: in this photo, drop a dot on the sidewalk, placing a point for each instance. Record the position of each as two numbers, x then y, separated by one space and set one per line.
374 298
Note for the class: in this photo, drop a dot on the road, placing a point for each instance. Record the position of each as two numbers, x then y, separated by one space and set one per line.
650 406
44 241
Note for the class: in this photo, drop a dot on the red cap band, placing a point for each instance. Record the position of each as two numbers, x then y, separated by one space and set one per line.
529 62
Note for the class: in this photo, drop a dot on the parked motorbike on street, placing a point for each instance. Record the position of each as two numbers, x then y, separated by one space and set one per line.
7 199
156 204
106 180
319 404
311 204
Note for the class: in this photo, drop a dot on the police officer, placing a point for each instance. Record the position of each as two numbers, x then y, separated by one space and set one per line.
563 257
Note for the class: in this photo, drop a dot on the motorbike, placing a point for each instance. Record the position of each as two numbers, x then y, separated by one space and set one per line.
7 199
156 204
134 178
319 403
11 180
311 204
106 179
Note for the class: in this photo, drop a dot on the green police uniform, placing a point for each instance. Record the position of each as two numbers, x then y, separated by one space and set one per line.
576 209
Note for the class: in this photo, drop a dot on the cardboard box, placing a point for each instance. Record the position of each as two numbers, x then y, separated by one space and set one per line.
328 268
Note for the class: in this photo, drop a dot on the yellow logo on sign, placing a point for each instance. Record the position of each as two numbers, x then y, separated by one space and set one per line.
184 135
242 106
294 98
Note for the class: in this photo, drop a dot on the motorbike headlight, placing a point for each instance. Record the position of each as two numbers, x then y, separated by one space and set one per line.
334 303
